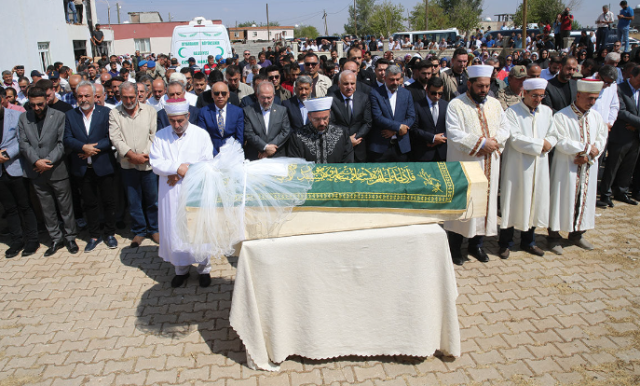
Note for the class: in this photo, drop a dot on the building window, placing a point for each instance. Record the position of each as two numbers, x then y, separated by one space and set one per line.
255 34
284 33
142 45
44 54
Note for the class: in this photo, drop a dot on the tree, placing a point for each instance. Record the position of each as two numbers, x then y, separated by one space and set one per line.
542 12
437 18
365 9
465 17
387 18
306 31
250 23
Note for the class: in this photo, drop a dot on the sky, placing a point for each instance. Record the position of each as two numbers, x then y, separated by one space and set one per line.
290 12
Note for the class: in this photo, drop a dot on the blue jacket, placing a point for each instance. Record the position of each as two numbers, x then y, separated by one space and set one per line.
10 142
75 136
233 124
383 118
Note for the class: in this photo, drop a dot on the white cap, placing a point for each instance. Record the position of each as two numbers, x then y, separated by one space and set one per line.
318 104
591 86
535 84
176 107
480 71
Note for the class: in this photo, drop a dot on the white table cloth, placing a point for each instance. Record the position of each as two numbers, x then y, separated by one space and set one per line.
389 291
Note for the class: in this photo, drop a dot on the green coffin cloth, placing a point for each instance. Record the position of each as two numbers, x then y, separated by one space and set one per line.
418 186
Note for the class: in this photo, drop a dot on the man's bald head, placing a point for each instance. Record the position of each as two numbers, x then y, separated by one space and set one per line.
104 77
100 95
220 94
158 88
533 71
74 80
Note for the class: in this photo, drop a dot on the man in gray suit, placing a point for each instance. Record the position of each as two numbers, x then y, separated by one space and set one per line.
41 133
14 195
266 126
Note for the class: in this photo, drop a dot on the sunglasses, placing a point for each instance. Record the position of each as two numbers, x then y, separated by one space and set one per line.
218 93
273 77
311 64
434 93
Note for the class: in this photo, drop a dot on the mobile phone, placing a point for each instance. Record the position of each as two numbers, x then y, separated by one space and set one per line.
5 154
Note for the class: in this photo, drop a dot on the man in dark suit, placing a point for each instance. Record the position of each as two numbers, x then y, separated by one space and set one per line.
14 195
623 144
222 120
349 65
393 114
364 76
86 136
428 140
252 99
296 109
351 109
266 126
41 132
561 90
176 90
423 71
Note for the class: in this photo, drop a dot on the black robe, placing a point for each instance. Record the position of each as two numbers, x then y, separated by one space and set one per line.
331 146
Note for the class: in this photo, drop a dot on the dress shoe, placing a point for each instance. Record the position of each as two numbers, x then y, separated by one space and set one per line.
137 240
57 245
534 250
504 253
456 256
72 247
556 248
179 280
582 243
30 248
92 244
604 202
479 254
14 250
156 238
205 280
111 242
626 199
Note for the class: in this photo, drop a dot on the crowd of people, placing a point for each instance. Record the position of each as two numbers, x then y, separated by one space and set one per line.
83 147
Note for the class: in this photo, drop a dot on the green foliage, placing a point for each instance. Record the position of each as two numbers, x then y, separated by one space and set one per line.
438 19
465 17
365 9
387 18
306 31
575 26
542 12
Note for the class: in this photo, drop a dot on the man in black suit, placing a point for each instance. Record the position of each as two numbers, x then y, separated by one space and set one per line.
41 132
423 71
266 125
624 143
349 65
296 109
351 109
428 140
86 136
561 90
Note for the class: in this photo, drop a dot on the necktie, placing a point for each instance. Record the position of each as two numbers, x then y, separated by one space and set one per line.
434 113
348 100
221 122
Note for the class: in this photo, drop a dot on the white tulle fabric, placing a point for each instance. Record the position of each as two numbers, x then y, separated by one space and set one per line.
223 197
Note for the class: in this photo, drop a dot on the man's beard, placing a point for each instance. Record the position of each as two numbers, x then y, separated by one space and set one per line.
476 97
85 106
180 130
131 106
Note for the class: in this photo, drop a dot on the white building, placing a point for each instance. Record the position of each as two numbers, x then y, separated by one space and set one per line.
254 34
37 34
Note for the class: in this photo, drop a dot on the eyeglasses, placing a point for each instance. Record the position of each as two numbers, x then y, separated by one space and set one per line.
538 96
37 104
274 77
434 93
311 64
247 53
218 93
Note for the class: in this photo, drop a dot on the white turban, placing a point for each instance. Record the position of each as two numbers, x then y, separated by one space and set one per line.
480 71
535 84
176 107
318 104
591 86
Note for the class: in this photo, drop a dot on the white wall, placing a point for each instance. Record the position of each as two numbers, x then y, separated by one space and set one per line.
33 21
160 45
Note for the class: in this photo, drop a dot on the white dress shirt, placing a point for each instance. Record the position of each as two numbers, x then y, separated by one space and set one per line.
87 126
266 114
435 112
348 104
392 102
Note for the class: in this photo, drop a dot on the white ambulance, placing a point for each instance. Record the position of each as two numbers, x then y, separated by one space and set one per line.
198 40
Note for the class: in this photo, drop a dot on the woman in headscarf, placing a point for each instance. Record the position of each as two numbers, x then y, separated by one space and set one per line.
543 62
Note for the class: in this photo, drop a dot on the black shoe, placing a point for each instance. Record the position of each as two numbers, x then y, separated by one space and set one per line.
72 247
205 280
57 245
111 242
456 257
626 199
30 248
606 201
479 254
179 280
14 250
92 244
602 204
504 253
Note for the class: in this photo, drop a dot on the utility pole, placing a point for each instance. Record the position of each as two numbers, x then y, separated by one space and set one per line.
355 17
524 22
326 31
426 15
169 16
109 14
268 32
118 9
